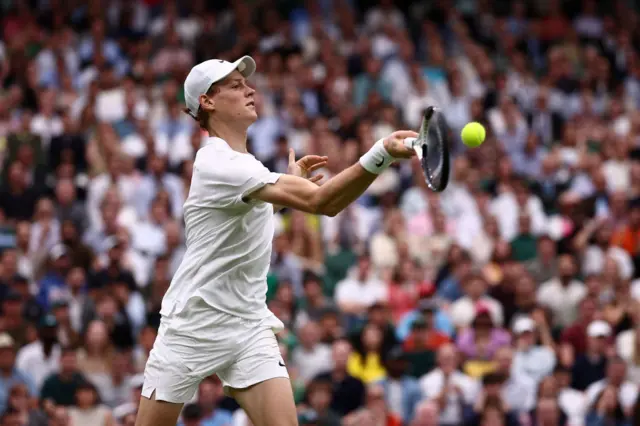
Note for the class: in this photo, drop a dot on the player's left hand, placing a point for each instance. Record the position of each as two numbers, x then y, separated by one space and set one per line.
306 165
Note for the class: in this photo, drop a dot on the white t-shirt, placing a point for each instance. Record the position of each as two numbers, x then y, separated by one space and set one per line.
432 384
312 362
627 393
463 311
367 293
563 301
228 238
32 360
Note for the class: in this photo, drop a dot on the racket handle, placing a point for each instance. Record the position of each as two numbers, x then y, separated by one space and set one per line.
409 142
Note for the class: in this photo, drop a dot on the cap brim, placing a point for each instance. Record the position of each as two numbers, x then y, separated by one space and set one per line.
245 65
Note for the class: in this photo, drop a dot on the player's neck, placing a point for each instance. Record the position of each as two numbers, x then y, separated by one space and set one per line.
235 138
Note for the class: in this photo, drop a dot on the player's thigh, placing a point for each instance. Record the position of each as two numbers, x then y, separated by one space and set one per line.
268 403
157 413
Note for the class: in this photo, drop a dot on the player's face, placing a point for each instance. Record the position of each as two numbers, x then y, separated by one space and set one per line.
234 100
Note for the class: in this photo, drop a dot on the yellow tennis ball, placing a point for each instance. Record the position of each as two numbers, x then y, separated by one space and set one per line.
473 134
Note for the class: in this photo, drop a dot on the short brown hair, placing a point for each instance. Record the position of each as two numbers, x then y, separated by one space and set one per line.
202 116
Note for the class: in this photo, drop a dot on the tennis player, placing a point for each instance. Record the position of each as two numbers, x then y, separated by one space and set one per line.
214 315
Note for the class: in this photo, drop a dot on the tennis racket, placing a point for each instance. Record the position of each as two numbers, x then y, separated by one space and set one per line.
432 149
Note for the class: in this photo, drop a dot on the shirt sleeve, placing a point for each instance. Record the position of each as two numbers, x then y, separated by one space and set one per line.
226 181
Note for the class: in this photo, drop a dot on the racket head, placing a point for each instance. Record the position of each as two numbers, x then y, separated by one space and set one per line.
433 141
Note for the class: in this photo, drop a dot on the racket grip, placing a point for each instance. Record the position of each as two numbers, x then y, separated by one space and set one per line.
408 142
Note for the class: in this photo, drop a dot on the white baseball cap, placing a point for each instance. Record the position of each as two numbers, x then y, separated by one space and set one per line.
203 75
599 328
523 324
6 341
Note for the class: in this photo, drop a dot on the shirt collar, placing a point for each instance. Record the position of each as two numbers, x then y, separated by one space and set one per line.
220 144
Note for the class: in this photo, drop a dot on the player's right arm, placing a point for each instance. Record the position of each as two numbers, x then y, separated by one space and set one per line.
338 192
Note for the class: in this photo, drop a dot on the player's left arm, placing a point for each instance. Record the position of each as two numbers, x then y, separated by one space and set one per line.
303 167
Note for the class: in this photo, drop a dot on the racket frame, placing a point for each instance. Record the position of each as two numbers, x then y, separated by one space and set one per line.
421 147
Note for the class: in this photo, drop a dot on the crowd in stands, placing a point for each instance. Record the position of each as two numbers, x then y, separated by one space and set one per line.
510 299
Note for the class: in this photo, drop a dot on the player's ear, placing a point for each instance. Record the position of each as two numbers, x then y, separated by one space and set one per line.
207 103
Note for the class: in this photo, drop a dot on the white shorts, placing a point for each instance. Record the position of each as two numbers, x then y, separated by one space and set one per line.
201 341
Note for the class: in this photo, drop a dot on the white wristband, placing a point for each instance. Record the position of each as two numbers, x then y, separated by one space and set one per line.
377 159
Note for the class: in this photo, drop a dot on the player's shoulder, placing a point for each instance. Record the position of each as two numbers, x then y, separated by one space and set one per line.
218 151
216 157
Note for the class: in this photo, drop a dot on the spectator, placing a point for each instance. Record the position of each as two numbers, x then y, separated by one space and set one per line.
423 335
379 315
626 237
12 318
348 392
313 302
426 414
619 394
571 401
17 198
450 288
116 319
401 392
563 293
318 398
311 357
114 389
209 393
32 311
68 206
191 415
548 412
590 366
376 404
22 400
88 408
11 375
427 309
61 387
285 265
133 399
145 343
365 362
81 253
155 180
627 346
518 392
488 400
67 335
462 310
79 303
530 359
96 355
545 264
41 358
575 336
452 390
45 231
479 343
357 293
60 416
548 389
52 286
607 410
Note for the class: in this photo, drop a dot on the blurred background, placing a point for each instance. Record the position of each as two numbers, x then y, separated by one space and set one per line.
510 299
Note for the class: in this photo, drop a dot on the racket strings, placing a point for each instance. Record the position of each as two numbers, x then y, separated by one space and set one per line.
435 152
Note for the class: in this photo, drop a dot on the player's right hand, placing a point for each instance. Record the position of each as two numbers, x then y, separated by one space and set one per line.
395 146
